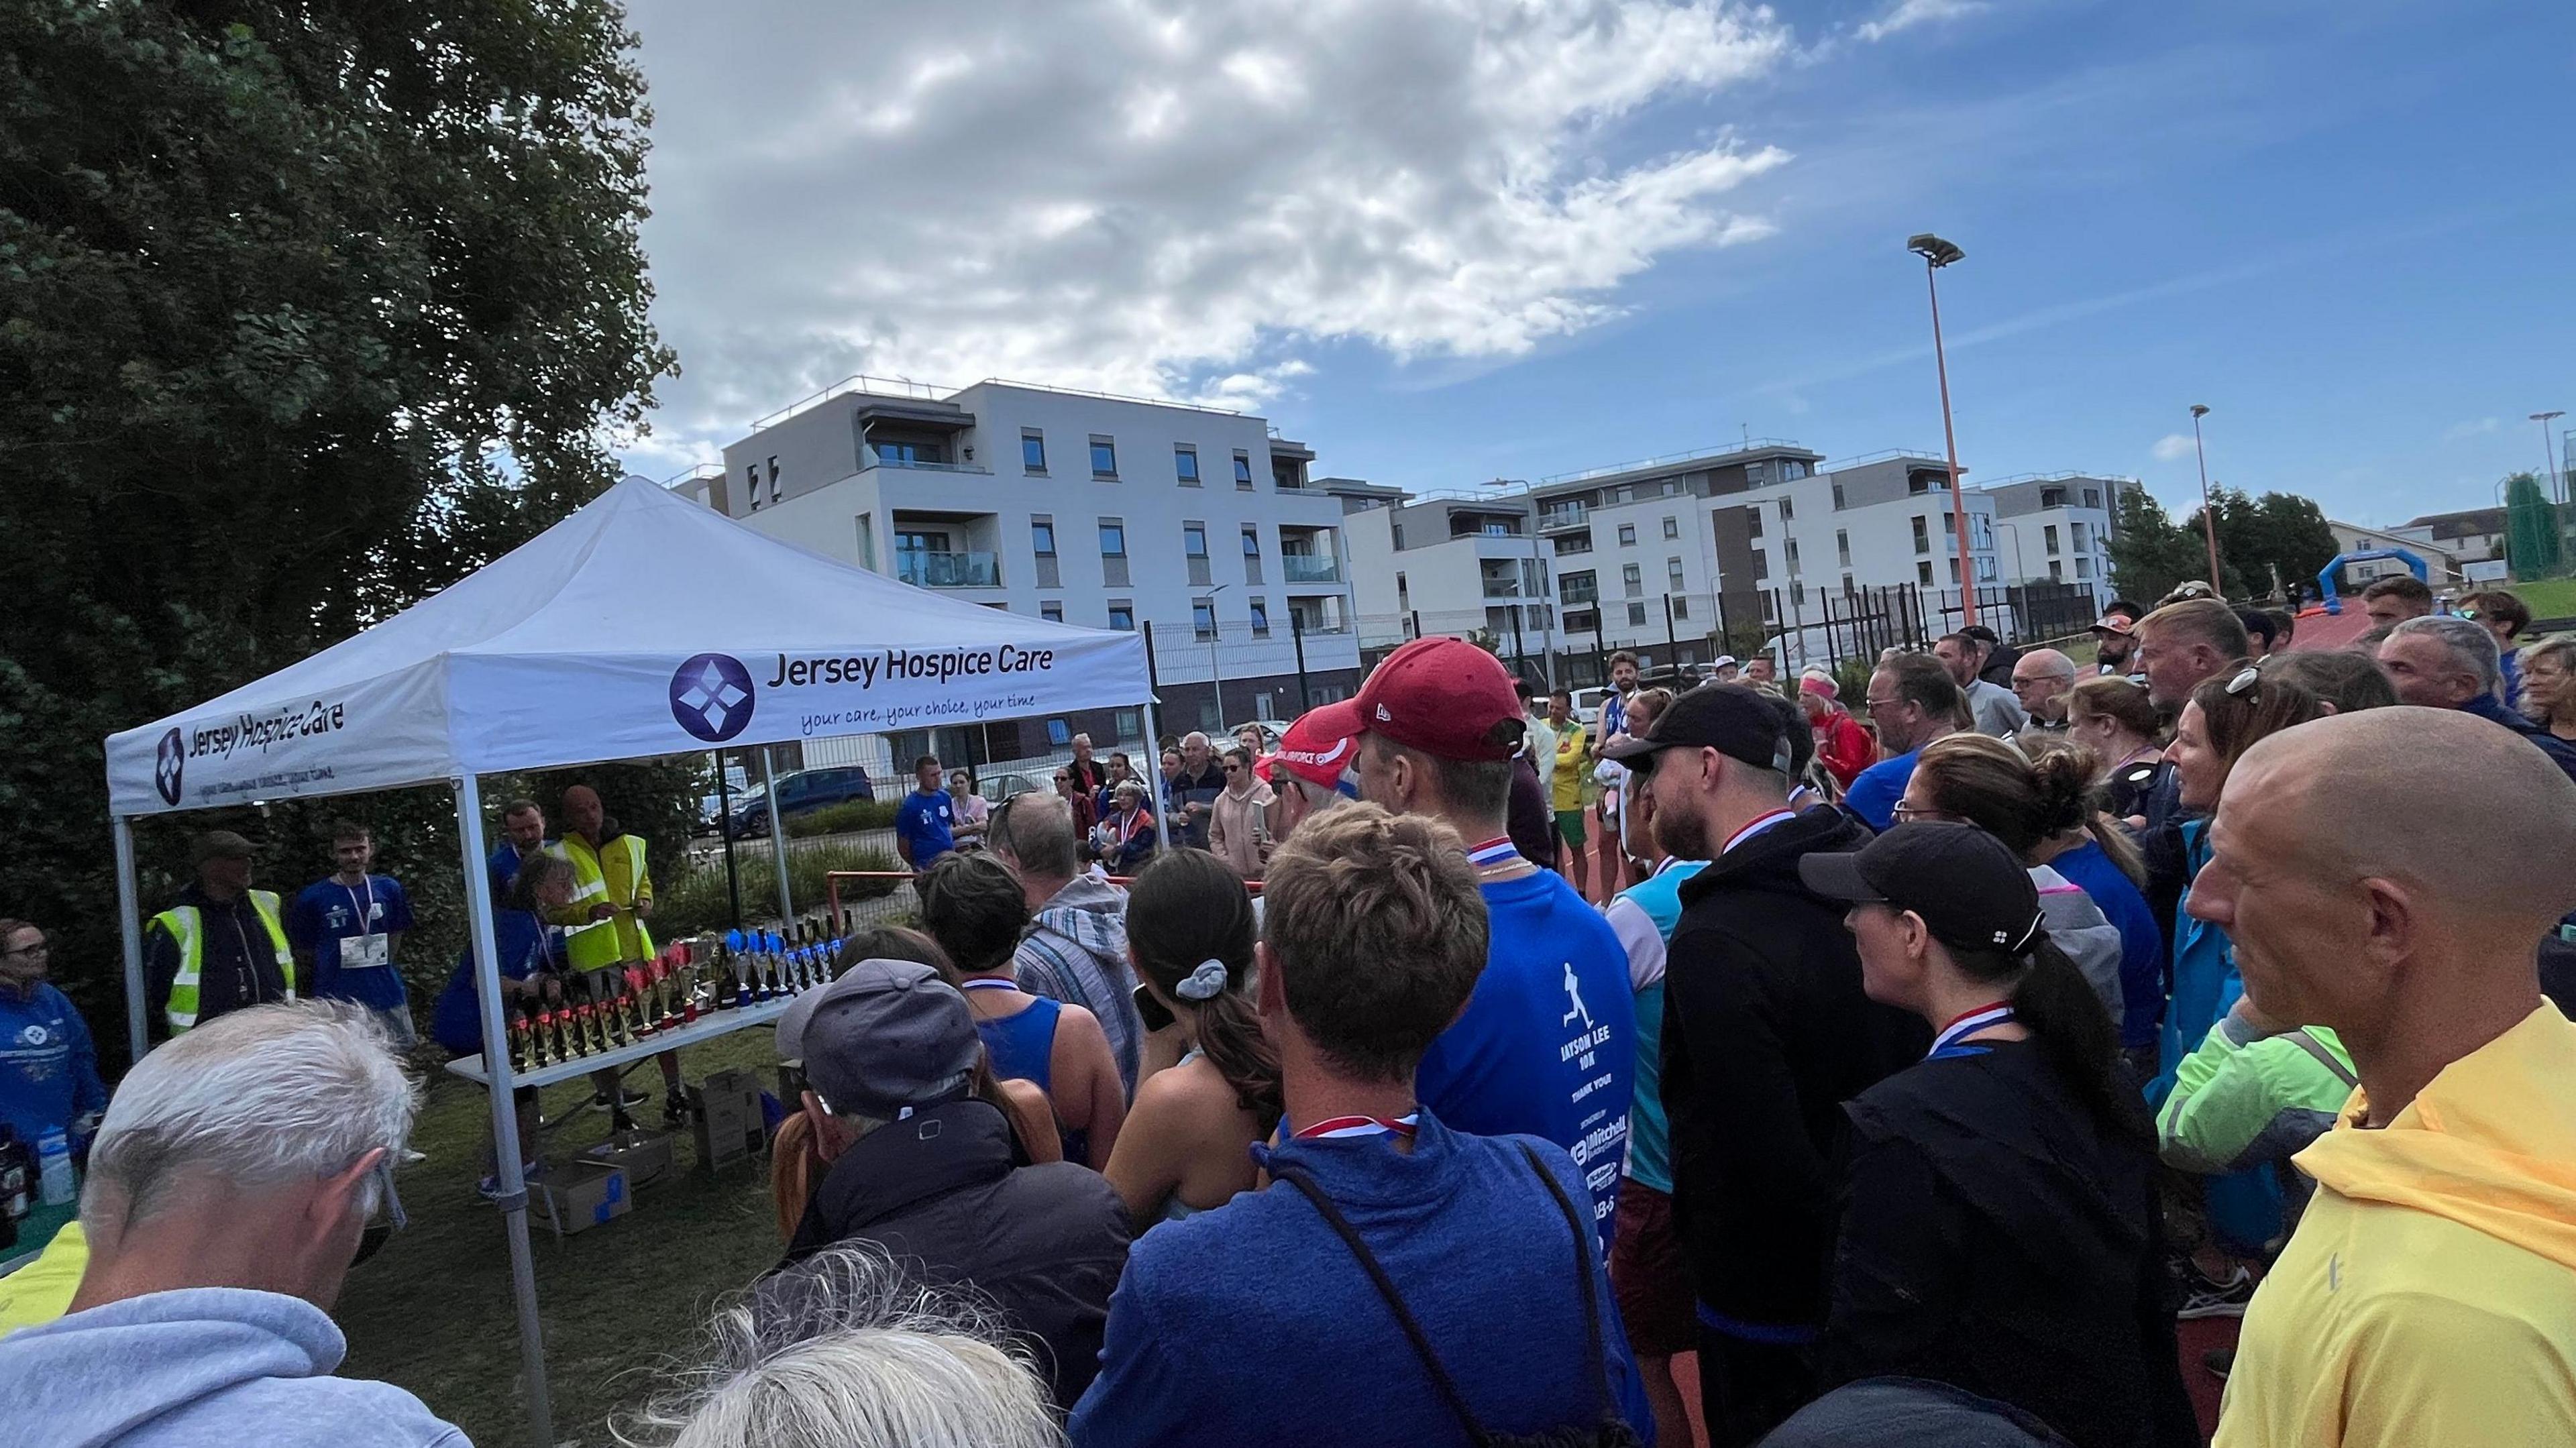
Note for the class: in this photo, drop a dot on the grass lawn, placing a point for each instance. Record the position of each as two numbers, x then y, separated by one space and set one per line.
432 1312
2549 597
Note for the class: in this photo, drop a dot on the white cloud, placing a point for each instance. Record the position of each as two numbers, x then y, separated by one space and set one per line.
2475 427
1169 199
1910 13
2173 447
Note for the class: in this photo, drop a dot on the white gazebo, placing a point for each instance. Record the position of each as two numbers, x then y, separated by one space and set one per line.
641 625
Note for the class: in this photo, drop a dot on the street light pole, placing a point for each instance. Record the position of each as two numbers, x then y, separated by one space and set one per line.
1546 575
1937 254
2550 476
2208 520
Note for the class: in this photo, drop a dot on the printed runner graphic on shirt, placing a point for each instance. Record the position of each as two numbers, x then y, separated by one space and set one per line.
1605 1134
1574 992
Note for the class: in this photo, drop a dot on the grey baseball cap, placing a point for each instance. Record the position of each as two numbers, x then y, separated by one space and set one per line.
885 1035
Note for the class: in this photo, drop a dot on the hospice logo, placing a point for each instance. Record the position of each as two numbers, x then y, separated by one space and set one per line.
168 765
711 697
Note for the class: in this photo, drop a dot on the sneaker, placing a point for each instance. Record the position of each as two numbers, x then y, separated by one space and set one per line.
2203 1297
675 1110
625 1098
490 1187
2218 1362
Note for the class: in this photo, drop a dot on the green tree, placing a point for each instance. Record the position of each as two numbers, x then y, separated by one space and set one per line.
2258 538
2150 552
2531 529
309 310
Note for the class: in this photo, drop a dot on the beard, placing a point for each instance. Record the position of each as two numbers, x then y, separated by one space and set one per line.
1683 835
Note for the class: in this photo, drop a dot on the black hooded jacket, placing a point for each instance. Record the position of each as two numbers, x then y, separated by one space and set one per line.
938 1191
1766 1035
1999 1237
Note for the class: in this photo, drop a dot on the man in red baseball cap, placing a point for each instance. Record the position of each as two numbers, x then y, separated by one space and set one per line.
1311 771
1547 1044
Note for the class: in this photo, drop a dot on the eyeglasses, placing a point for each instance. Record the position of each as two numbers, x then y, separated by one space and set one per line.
2244 684
1063 779
1234 769
39 948
1908 814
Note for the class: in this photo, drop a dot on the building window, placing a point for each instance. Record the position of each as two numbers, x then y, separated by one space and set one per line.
1789 551
1104 456
1753 522
1838 497
1842 547
1673 571
1632 580
1627 535
1922 536
1403 595
1954 572
1949 525
1672 527
1251 542
773 482
1194 541
1681 606
1185 462
2083 567
1242 471
2056 571
751 485
1059 732
2092 497
1051 611
1847 585
1793 469
1042 537
1636 615
2052 497
2049 535
1923 571
1122 615
1788 509
1113 540
2076 530
1033 451
1203 619
1260 618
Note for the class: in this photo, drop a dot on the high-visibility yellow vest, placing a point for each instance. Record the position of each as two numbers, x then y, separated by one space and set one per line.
615 874
187 929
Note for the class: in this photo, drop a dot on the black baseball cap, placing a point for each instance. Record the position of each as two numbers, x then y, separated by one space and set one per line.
1737 720
1968 887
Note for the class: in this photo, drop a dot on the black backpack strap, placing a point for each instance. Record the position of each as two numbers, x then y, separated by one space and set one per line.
1440 1379
1599 1360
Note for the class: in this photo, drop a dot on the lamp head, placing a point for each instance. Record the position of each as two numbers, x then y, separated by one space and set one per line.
2546 416
2197 410
1933 249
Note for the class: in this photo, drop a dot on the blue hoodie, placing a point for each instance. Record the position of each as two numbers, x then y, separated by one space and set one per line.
1252 1324
200 1366
48 1067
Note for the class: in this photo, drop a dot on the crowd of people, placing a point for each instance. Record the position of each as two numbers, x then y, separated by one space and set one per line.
1459 1066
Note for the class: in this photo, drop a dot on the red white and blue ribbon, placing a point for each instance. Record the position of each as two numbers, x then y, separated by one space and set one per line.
1755 826
1982 1018
1339 1127
1493 852
988 983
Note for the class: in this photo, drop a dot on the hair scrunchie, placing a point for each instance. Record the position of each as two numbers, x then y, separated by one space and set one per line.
1204 984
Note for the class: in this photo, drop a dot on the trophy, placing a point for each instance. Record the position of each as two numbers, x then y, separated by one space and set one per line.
612 1022
518 1044
664 990
550 1041
598 1027
728 974
745 966
758 989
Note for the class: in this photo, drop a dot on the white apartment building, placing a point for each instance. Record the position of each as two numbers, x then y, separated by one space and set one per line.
1197 524
1463 564
1675 557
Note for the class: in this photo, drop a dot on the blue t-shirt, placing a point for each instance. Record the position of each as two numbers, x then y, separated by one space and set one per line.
1650 1135
1252 1325
525 947
923 822
1547 1046
329 912
48 1065
2142 945
505 870
1874 794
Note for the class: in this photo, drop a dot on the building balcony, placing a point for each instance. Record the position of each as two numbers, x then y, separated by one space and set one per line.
1574 597
924 465
1558 519
1309 568
924 569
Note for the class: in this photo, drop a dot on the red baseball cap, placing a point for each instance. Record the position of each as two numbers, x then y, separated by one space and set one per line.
1443 696
1311 754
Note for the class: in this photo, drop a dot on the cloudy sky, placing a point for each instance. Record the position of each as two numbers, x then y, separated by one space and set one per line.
1449 240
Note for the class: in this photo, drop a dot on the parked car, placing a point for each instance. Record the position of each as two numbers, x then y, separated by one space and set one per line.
799 793
996 788
1587 705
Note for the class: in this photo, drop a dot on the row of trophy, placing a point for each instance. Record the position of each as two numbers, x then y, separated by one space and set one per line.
606 1010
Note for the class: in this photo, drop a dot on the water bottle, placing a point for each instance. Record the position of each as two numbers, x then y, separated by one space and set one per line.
54 1166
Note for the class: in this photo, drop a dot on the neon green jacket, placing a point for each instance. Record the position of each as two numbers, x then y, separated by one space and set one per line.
2240 1101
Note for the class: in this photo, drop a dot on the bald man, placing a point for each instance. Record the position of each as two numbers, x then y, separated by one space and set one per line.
2041 679
2374 871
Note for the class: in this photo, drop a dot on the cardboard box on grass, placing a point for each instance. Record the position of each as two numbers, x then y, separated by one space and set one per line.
587 1194
645 1156
728 1125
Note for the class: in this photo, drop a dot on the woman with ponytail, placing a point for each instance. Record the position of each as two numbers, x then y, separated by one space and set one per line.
2038 797
1186 1144
2000 1230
